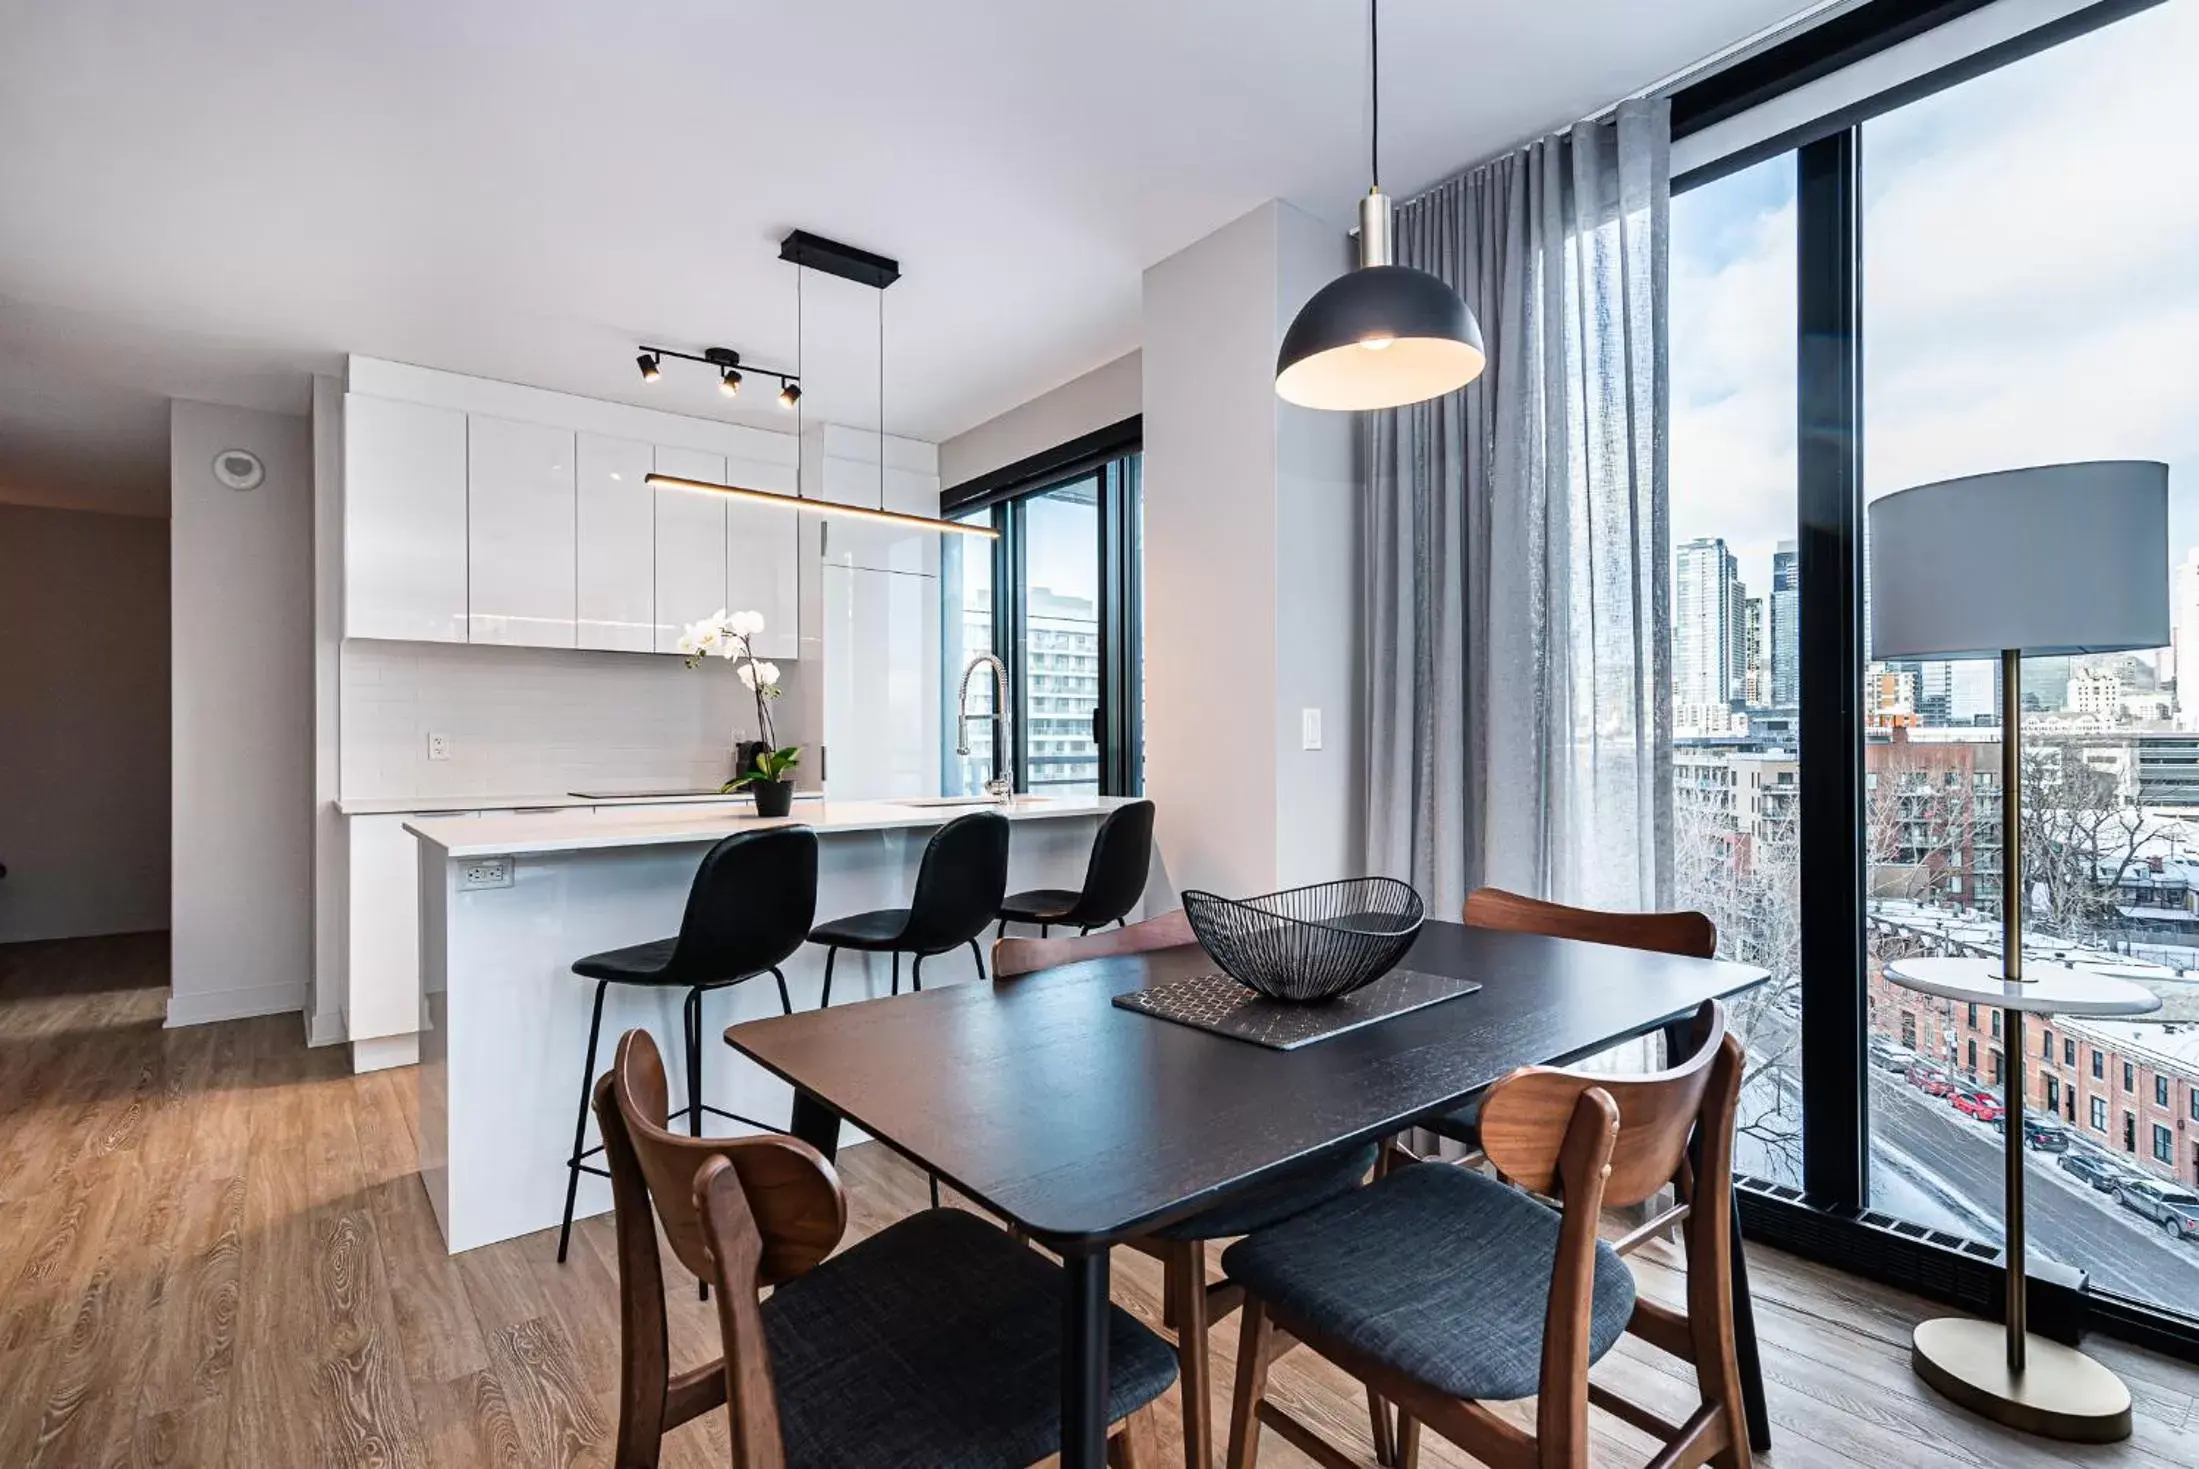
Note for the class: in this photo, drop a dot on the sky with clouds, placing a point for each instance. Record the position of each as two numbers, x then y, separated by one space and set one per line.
2031 290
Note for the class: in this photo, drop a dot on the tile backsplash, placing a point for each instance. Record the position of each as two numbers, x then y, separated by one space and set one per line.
539 721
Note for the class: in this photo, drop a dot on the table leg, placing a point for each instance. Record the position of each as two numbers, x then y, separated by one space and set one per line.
815 1123
1084 1321
1679 1043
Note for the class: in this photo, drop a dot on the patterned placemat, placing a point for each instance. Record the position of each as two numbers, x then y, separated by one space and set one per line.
1218 1003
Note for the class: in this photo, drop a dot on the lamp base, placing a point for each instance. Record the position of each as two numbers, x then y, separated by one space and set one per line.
2061 1393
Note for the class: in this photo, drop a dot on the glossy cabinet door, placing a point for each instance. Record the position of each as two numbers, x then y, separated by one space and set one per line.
690 545
881 657
404 521
762 553
615 515
519 533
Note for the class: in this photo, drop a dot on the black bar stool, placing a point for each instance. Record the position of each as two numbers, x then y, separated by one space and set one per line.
752 901
1114 880
958 887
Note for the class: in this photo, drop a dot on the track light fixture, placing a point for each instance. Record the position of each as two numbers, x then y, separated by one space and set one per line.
732 372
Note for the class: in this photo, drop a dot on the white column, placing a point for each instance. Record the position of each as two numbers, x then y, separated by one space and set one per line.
1251 566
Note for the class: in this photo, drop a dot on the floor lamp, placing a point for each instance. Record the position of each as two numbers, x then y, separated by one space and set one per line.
2065 559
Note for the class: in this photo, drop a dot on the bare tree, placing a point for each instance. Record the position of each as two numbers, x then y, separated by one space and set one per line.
2081 839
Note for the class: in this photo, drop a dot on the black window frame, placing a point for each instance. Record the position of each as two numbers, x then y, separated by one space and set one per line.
1831 1219
1114 455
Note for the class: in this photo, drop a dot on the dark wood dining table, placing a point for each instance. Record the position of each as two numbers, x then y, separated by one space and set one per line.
1085 1123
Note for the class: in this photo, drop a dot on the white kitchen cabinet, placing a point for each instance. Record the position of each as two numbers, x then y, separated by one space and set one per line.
404 521
383 963
881 657
519 533
876 545
615 515
690 545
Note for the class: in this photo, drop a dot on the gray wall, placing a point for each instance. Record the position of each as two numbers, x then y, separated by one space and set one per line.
83 723
241 625
1107 394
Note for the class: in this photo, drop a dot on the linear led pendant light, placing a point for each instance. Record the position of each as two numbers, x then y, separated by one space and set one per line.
806 251
1383 335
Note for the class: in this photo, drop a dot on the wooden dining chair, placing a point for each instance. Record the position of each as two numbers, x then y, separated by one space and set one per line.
1445 1290
1190 1305
1688 934
935 1341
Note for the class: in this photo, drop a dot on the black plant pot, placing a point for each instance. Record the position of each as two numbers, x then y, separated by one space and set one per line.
773 797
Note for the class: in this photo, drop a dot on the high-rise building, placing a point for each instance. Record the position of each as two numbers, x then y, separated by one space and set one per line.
1708 637
1755 671
1966 691
1786 626
2185 633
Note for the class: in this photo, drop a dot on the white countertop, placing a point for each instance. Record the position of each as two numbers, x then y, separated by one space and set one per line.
641 826
563 801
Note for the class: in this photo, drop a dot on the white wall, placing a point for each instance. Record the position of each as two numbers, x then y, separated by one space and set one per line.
1250 557
83 723
544 721
241 631
1107 394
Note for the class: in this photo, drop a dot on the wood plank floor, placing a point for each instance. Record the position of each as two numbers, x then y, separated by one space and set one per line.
214 1251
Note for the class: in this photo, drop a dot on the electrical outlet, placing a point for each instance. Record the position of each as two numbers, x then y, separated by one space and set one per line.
486 872
438 746
1309 729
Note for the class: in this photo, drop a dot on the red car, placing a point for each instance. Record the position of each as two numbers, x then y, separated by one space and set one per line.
1982 1105
1930 1079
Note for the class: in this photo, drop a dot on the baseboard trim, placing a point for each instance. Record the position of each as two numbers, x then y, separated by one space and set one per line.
241 1004
326 1028
381 1052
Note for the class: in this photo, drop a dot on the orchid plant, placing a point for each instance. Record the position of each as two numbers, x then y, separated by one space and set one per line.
729 636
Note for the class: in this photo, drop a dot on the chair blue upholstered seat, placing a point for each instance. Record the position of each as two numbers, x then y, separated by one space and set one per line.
1436 1271
936 1341
1295 1190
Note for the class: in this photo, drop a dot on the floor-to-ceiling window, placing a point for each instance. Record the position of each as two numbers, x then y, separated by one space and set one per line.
1058 598
2030 249
1985 264
1735 637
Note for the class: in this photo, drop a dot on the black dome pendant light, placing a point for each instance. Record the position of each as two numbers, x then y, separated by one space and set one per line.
1385 334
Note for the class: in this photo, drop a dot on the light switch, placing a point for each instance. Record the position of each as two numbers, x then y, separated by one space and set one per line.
1309 729
439 747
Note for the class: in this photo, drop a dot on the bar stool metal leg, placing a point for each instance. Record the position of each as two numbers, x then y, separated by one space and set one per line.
786 1003
580 1124
897 971
916 975
832 952
693 1018
979 955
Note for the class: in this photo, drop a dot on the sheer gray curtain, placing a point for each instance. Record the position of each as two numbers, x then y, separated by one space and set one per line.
1517 539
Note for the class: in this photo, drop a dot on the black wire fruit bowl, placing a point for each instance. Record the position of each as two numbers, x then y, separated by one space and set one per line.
1311 943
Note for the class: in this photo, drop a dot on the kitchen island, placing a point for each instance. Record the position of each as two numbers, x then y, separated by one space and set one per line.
507 903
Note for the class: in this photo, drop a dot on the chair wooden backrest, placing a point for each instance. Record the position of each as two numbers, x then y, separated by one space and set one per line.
740 1213
1593 1141
1013 958
1685 933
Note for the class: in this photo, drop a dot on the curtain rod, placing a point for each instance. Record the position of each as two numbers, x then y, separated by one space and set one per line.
1749 45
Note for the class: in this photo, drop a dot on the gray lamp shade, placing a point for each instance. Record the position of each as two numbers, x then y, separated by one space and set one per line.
1380 336
2066 558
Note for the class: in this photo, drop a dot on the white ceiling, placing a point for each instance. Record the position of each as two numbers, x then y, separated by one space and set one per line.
215 199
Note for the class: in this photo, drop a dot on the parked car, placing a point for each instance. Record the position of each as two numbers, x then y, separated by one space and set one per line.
1982 1105
2095 1168
1932 1080
2045 1134
1892 1056
2175 1209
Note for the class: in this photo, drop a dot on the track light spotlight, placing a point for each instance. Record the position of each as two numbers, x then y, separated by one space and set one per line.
730 384
790 395
650 371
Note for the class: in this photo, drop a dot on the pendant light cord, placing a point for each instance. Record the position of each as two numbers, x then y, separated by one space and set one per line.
798 273
1374 85
881 397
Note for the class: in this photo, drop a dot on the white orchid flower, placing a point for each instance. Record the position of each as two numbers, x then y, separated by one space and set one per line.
687 643
768 675
747 624
748 675
729 649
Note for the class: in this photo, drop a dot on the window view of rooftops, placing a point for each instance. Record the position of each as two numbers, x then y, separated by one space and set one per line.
2110 759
